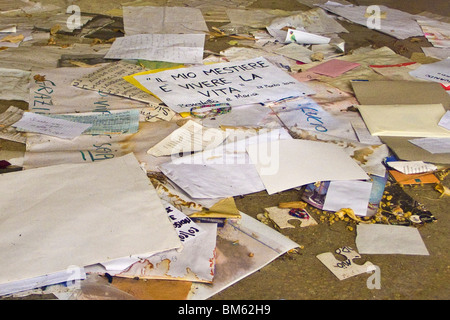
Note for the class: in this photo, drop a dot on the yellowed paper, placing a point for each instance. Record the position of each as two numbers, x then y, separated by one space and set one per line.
419 120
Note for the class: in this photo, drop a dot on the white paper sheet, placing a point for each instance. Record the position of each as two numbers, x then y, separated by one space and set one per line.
287 164
445 121
182 48
389 239
65 129
437 71
65 215
236 83
433 145
412 167
224 171
163 20
348 194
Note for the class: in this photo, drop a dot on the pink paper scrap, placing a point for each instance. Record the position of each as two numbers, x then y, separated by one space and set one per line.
334 67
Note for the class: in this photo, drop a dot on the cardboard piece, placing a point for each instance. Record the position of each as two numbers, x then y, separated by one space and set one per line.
400 92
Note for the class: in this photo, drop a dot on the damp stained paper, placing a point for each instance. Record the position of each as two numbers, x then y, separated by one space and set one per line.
236 83
182 48
77 215
287 164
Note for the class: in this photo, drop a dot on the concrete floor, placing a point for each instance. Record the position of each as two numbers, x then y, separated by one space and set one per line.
301 276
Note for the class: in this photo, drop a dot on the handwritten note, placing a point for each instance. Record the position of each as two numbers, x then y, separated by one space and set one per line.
184 226
32 122
108 79
190 137
236 83
106 123
182 48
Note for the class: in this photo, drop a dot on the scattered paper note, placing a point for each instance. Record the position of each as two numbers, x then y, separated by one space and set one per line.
433 145
182 48
412 167
114 122
235 83
191 137
65 129
437 72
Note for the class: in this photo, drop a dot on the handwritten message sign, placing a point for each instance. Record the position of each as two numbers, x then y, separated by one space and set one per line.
236 83
184 226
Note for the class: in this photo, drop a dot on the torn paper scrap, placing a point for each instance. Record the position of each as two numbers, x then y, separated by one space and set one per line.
437 32
346 268
237 83
191 137
413 120
389 239
65 129
163 20
181 48
195 262
287 164
243 248
108 206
